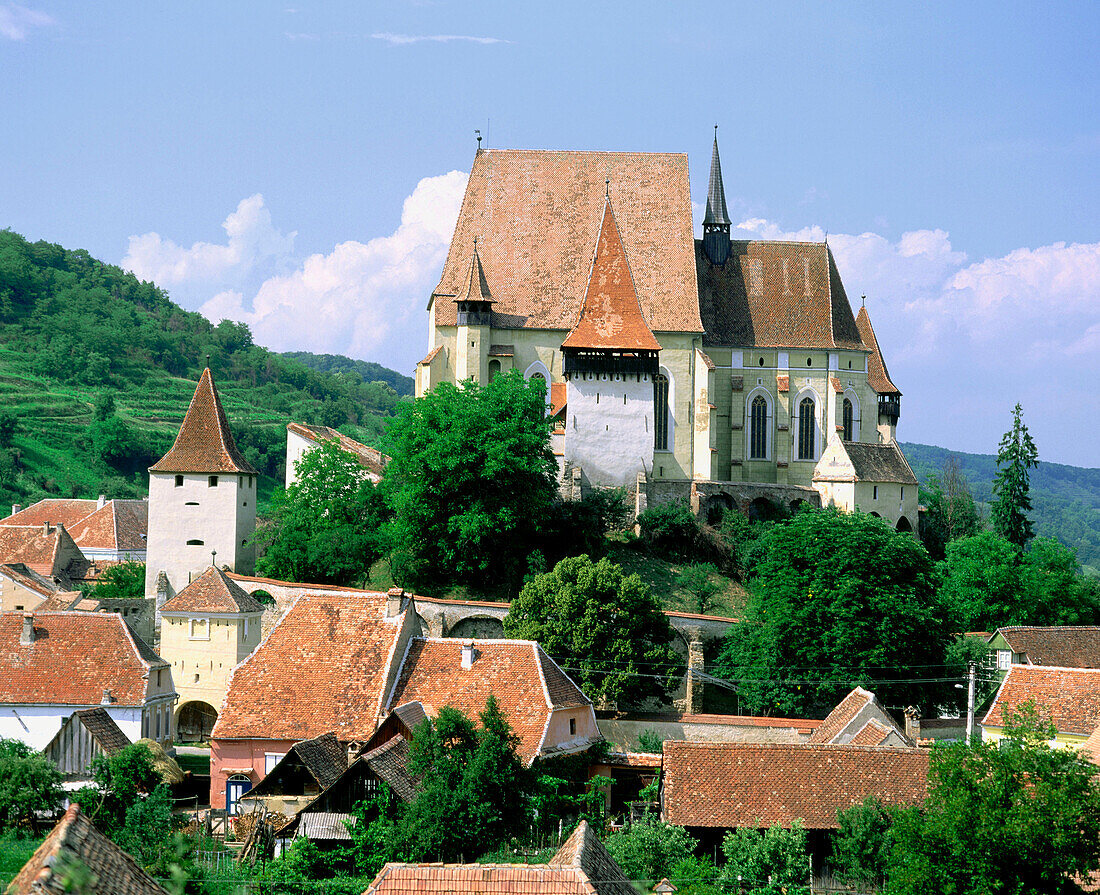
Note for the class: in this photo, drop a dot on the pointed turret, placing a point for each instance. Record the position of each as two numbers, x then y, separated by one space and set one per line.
204 442
716 221
878 377
476 298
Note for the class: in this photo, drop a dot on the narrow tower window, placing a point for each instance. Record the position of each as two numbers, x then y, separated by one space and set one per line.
660 412
758 437
806 427
212 481
847 419
179 481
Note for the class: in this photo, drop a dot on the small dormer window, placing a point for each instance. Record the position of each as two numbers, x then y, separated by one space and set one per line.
179 481
212 482
1004 659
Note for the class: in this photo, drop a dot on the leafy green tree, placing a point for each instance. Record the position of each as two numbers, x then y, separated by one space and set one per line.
838 599
120 782
116 443
1016 816
777 854
326 527
472 478
649 849
862 844
951 512
650 741
9 425
697 580
607 627
29 784
147 829
670 529
123 581
475 792
1016 455
104 406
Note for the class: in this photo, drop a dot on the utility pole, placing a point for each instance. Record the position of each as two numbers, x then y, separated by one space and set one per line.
970 703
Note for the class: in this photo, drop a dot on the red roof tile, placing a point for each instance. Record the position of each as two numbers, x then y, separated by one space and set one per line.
212 591
877 374
75 656
31 580
610 315
75 840
321 668
557 398
1070 697
1067 647
843 715
873 733
204 442
1090 748
535 213
55 510
526 683
730 785
118 525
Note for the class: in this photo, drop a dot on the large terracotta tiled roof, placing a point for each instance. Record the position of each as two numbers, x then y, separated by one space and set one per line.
204 442
877 374
371 459
514 671
28 578
213 591
32 546
536 214
76 841
55 510
75 656
775 294
1090 748
873 733
843 715
1069 697
117 524
1069 647
729 785
322 668
611 317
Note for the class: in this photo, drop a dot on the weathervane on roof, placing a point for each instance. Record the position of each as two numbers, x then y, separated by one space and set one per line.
477 131
607 188
214 558
863 298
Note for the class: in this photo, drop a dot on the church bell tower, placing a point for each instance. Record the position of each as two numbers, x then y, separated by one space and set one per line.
716 221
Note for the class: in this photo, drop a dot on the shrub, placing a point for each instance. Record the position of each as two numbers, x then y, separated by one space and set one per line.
670 529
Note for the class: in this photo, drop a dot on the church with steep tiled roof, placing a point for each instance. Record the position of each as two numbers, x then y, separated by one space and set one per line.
689 366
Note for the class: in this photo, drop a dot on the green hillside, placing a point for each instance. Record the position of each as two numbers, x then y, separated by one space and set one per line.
1066 499
366 370
97 369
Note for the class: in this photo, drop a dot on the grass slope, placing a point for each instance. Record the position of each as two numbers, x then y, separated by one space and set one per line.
1066 499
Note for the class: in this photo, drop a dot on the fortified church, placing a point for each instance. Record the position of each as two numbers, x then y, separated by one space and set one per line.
725 372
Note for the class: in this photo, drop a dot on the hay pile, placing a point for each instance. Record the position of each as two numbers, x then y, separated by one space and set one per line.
164 764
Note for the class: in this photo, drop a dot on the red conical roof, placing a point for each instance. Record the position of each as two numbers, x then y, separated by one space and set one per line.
611 316
204 442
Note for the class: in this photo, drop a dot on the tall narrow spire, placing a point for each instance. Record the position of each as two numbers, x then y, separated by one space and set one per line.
716 221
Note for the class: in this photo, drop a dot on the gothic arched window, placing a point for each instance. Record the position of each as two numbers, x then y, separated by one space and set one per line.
660 412
758 429
848 419
494 369
806 429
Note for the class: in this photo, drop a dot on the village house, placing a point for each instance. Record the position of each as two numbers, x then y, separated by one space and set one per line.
308 767
75 842
105 531
21 588
301 438
206 630
1067 697
202 501
55 663
728 368
1066 646
341 661
582 866
711 788
47 550
860 720
85 736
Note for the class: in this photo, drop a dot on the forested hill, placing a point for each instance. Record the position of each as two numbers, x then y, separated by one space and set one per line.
1066 499
368 371
97 369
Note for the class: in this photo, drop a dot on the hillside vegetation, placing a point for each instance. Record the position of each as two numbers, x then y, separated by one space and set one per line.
97 369
1066 499
366 370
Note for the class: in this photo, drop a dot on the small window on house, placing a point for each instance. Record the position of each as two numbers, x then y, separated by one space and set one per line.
849 419
200 629
212 481
660 412
1004 659
809 362
758 431
240 481
572 727
807 429
195 542
849 365
874 492
761 361
271 759
18 608
179 481
903 492
196 677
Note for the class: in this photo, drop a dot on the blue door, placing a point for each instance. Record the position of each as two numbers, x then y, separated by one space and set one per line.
236 787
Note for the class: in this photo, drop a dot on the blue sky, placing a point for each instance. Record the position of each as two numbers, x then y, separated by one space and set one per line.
299 165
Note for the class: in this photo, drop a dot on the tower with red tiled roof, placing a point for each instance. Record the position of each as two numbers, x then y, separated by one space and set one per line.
202 501
611 368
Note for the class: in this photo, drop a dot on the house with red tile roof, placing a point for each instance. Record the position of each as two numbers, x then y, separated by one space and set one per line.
47 550
343 661
1068 697
301 438
714 360
202 501
104 530
860 719
21 588
1068 646
55 663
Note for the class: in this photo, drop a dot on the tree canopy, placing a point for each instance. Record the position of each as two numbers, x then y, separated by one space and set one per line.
471 480
1016 455
29 785
951 512
606 626
838 599
327 526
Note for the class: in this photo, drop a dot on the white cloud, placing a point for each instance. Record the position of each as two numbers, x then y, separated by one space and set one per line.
361 299
251 239
16 21
405 39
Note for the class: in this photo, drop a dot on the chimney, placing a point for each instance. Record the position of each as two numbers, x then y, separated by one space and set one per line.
395 599
468 654
102 502
16 508
912 723
107 698
26 638
45 528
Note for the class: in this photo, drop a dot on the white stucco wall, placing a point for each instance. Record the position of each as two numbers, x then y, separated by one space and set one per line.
221 517
558 737
36 725
296 446
609 427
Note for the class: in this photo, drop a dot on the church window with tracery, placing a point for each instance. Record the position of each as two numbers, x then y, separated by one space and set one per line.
806 429
848 419
758 431
660 412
